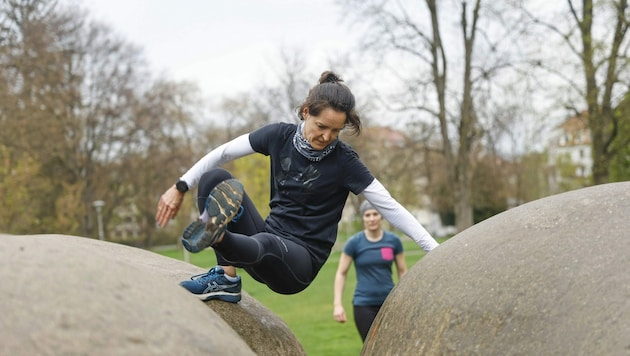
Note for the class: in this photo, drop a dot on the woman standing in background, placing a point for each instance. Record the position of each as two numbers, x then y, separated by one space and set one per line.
373 251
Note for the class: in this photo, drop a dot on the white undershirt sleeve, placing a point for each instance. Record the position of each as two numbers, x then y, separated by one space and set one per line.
398 216
228 151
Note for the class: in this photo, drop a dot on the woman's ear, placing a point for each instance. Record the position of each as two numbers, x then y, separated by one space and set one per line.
305 113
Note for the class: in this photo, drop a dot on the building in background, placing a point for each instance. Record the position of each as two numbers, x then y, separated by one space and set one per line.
570 161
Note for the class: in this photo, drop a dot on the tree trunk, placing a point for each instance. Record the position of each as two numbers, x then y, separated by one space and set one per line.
463 203
600 147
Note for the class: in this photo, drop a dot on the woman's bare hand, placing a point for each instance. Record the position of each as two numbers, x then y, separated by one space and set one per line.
339 314
168 206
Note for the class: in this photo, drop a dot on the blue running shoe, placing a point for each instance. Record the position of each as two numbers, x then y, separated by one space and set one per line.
214 285
222 206
194 232
241 211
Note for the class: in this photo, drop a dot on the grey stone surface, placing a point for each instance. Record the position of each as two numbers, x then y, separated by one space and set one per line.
551 277
73 295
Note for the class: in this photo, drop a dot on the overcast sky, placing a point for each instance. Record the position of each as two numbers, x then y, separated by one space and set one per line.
226 46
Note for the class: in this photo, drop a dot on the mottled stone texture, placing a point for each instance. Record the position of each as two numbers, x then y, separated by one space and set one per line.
551 277
66 295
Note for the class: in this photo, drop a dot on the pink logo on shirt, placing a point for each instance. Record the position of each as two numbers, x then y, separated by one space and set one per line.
387 253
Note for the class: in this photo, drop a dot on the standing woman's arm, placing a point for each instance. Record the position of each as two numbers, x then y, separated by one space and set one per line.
340 281
401 265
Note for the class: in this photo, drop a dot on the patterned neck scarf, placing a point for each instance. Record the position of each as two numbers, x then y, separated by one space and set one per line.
302 145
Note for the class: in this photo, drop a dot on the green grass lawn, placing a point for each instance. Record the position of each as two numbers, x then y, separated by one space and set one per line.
309 314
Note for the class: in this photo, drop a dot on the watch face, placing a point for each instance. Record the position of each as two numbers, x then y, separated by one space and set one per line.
181 186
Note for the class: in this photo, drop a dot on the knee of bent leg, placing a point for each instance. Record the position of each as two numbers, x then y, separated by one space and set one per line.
215 176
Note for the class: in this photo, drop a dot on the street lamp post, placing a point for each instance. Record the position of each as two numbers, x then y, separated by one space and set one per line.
98 205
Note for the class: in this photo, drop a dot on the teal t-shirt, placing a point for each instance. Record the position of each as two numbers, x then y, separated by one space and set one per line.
373 265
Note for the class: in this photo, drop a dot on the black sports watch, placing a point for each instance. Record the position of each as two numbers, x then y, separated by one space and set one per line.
182 186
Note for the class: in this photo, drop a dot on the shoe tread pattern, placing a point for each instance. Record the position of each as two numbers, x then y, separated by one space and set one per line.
222 206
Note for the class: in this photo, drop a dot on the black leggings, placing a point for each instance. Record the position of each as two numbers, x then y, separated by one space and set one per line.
364 317
283 265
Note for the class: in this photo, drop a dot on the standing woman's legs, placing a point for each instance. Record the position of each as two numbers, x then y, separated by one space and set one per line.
364 317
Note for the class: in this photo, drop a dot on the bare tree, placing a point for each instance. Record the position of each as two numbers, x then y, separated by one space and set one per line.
444 74
82 120
294 84
595 33
160 146
37 119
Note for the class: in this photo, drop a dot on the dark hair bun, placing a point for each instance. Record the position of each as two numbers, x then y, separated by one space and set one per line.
329 77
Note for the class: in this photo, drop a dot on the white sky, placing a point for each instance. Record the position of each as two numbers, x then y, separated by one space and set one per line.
226 46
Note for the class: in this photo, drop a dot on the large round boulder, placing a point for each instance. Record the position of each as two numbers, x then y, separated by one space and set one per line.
70 295
551 277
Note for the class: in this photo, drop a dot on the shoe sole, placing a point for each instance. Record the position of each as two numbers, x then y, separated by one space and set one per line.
223 296
196 228
222 206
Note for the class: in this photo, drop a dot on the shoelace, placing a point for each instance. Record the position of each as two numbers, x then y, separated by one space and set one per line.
212 271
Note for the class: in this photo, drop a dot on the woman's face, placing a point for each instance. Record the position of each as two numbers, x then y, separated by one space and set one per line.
372 220
324 128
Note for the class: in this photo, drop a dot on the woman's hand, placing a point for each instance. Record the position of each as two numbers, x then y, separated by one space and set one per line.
339 314
168 206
